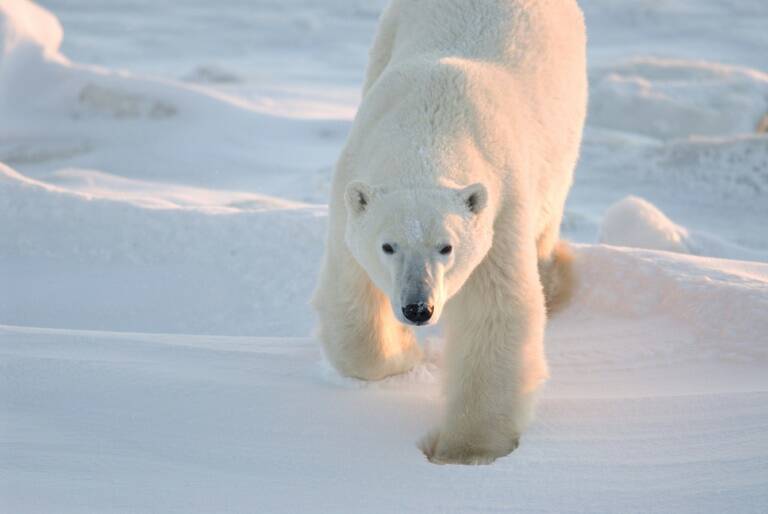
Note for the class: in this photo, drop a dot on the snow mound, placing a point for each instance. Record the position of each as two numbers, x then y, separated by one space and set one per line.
669 99
55 112
28 30
29 40
116 254
720 301
636 222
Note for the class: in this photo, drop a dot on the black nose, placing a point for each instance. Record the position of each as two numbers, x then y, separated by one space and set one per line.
418 312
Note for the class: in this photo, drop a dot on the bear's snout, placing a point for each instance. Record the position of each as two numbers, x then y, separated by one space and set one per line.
418 313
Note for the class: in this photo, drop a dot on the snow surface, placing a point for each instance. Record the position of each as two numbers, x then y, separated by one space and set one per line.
163 173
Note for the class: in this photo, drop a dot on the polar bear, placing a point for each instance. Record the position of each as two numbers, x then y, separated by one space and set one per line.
446 204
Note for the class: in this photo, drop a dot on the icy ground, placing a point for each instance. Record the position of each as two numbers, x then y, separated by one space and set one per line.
163 173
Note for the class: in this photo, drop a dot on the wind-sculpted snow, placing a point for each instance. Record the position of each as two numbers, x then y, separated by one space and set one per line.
156 259
162 225
652 408
673 98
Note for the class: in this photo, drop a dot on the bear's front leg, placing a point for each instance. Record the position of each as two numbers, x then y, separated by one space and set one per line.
360 334
494 360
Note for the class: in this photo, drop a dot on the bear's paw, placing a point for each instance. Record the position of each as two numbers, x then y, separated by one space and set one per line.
441 449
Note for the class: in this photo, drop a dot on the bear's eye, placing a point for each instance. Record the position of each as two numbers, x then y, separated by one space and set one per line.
446 250
387 248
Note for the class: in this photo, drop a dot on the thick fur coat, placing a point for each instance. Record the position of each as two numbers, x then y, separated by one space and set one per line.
446 204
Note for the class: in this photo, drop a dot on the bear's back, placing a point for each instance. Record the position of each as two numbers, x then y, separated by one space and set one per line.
465 91
510 33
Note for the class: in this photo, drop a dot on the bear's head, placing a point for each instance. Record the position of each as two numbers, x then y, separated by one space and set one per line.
418 246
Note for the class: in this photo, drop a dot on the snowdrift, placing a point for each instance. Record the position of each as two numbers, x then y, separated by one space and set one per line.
657 404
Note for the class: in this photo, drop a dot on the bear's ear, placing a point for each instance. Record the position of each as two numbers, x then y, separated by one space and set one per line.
474 197
357 197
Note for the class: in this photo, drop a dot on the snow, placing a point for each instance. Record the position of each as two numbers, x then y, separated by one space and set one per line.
163 174
674 98
28 32
633 221
636 222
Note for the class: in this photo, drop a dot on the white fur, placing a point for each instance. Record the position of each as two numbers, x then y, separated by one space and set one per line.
467 135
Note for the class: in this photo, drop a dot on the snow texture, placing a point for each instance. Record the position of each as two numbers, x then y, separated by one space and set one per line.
162 226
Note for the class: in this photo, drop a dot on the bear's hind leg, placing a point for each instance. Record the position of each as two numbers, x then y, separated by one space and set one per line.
555 268
557 278
360 334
